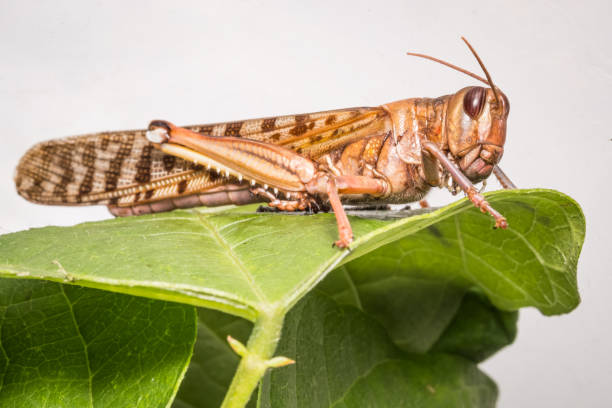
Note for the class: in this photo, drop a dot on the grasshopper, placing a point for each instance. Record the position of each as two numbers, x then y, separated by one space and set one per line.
393 153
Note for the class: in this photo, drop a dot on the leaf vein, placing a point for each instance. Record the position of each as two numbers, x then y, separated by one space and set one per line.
352 287
234 257
83 342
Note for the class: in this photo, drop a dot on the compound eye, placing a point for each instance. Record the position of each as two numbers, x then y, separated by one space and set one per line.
474 101
506 103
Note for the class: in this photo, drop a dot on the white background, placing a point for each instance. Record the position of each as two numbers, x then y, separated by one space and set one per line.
72 67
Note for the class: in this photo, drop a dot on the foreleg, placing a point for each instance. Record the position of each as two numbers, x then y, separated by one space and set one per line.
466 185
503 179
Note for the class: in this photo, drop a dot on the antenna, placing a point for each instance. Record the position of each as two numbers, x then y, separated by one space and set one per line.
483 68
487 81
448 64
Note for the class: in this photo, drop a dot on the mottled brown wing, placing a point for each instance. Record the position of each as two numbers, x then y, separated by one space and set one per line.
105 168
310 134
123 168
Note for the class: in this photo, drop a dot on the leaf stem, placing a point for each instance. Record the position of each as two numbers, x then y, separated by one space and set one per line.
259 350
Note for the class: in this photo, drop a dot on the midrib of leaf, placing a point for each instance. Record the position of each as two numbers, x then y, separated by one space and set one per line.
234 257
85 347
312 281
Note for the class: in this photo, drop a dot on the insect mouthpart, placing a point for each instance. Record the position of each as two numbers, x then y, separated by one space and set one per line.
478 162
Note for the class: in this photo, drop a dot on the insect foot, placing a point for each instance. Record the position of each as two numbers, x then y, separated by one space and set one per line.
485 207
343 244
501 223
346 238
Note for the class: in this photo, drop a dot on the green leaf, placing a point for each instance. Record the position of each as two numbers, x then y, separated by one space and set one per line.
421 314
345 359
63 345
242 262
415 286
257 266
478 330
415 310
311 328
431 381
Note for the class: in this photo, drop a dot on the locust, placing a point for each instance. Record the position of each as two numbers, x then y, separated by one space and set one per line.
393 153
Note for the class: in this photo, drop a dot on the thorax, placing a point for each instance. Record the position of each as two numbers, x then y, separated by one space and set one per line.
393 152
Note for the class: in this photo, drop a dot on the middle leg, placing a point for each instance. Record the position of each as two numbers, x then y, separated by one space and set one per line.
333 186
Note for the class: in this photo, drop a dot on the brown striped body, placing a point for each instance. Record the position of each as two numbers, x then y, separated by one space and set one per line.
133 176
123 169
392 153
